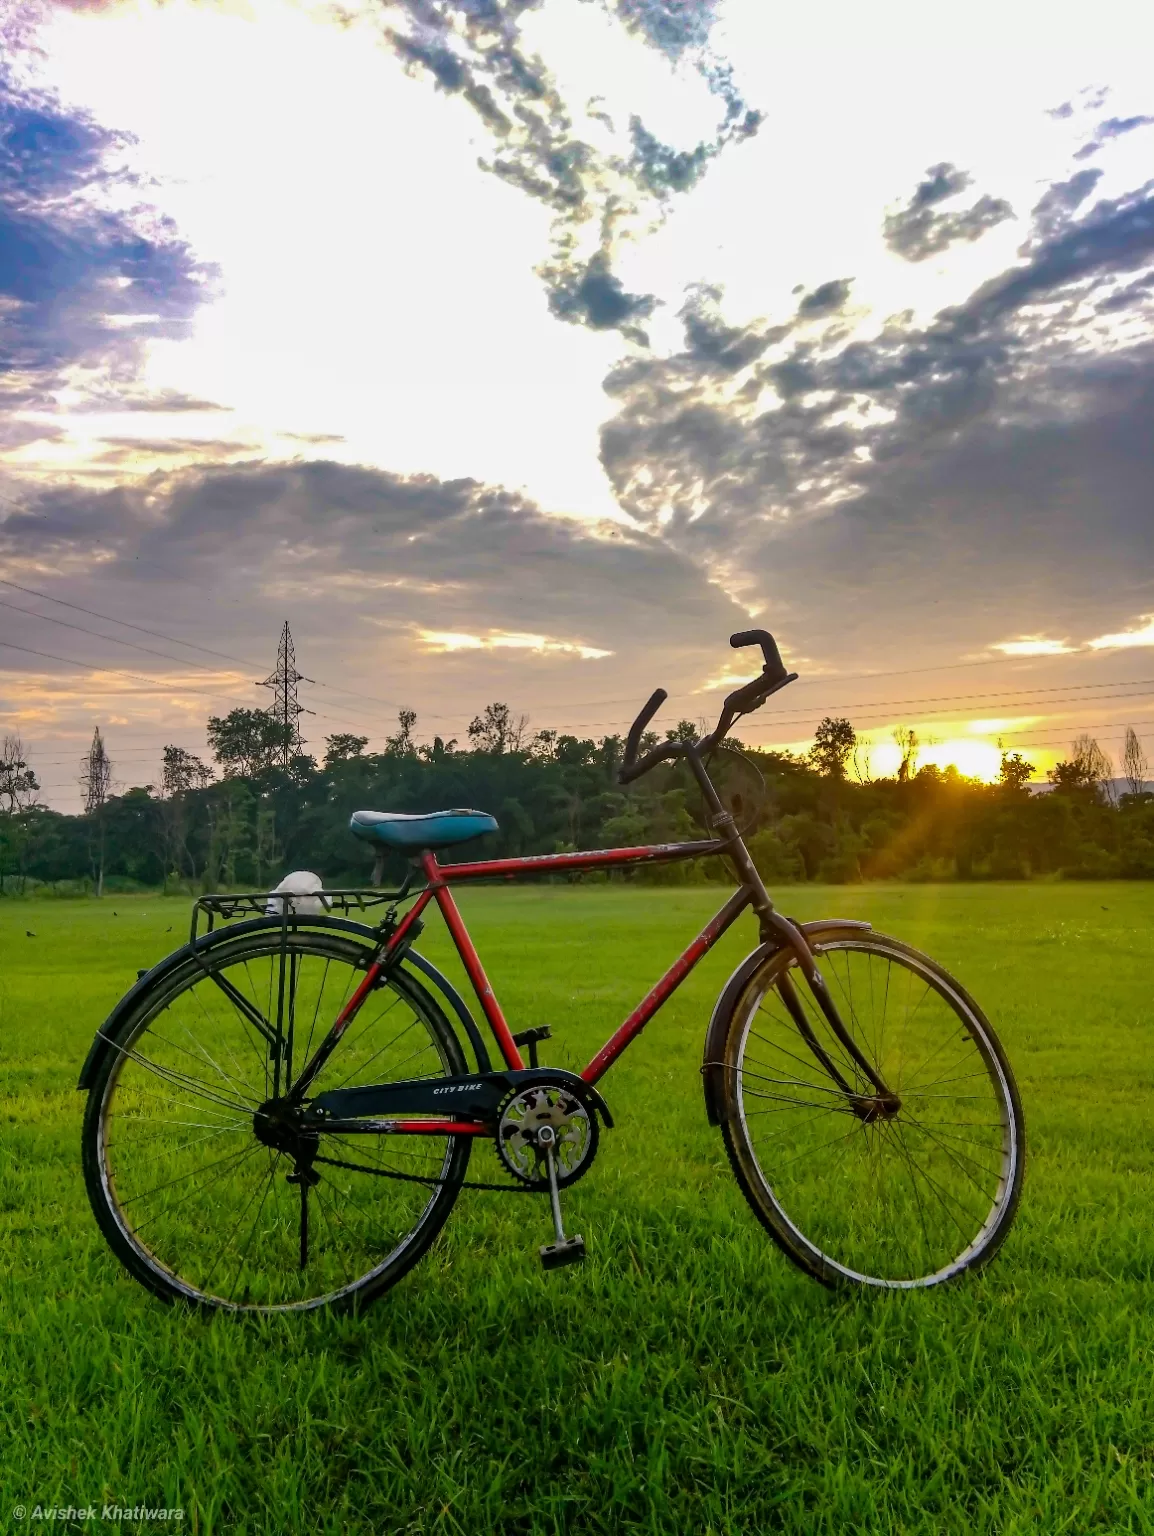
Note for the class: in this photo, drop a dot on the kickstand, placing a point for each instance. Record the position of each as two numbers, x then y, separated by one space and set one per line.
563 1250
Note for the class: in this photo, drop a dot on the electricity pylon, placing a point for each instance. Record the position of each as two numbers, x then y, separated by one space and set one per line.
95 775
286 708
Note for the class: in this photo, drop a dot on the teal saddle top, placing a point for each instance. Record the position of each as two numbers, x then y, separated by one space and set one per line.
439 829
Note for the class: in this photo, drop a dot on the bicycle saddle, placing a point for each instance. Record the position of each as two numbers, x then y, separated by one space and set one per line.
438 829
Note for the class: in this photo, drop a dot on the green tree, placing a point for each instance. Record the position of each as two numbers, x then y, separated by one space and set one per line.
1014 773
1086 772
181 772
343 747
247 742
833 745
906 739
496 730
684 730
18 784
401 743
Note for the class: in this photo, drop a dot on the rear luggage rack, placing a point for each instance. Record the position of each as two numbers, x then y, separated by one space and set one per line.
227 906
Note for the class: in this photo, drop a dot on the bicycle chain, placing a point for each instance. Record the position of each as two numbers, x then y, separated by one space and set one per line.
417 1178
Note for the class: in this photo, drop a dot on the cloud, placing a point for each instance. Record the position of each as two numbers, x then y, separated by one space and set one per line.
919 231
1034 645
593 295
1056 206
89 274
1112 128
398 587
600 194
439 642
983 470
674 26
66 264
1128 638
826 299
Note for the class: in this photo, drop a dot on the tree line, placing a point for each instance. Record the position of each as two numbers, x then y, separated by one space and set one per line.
262 806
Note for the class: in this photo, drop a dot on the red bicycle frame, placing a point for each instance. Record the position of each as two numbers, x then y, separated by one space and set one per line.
439 877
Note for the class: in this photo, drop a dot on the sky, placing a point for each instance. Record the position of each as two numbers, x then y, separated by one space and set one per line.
524 350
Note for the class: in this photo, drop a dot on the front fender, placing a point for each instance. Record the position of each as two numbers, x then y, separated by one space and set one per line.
107 1032
712 1070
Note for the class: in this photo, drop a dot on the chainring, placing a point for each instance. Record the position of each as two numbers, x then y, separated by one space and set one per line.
575 1125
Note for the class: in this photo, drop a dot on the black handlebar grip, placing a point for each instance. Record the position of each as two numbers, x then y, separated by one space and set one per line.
633 741
773 662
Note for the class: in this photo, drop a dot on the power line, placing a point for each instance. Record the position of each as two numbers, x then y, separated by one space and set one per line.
153 684
188 644
1063 741
944 716
852 677
112 639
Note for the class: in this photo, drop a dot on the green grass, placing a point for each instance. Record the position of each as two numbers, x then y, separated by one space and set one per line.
687 1379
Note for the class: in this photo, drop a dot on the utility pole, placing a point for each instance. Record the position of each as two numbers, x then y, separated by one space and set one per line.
286 708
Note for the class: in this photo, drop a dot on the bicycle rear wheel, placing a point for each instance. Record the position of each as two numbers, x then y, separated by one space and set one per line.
194 1202
901 1199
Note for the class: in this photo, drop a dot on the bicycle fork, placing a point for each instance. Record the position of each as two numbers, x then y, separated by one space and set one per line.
883 1103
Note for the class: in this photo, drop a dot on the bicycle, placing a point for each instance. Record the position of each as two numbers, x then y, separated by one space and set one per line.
280 1114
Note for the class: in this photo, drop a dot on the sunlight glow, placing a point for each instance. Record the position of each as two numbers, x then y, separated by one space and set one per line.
1034 645
973 759
441 641
1128 637
1004 723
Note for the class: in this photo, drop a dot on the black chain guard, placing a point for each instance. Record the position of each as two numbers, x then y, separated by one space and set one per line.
474 1096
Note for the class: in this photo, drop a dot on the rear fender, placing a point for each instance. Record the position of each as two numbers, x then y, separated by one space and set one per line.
106 1034
712 1070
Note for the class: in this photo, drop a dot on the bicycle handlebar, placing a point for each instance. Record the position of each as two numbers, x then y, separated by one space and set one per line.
742 701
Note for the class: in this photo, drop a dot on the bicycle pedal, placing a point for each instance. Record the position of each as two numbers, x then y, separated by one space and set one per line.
571 1250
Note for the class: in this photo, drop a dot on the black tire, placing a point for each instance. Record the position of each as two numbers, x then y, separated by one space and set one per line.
900 1201
187 1059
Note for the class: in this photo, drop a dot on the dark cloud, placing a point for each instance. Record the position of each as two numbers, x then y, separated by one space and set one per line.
163 402
82 280
362 561
1057 204
674 26
595 297
474 49
919 230
826 299
1036 524
714 345
1112 128
67 266
1115 127
207 449
842 468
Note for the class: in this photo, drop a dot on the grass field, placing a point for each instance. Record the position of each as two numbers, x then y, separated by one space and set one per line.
686 1379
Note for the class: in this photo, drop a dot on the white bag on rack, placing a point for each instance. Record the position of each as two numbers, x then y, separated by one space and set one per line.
302 894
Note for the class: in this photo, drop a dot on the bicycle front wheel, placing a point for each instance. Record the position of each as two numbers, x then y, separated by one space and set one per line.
187 1189
854 1193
